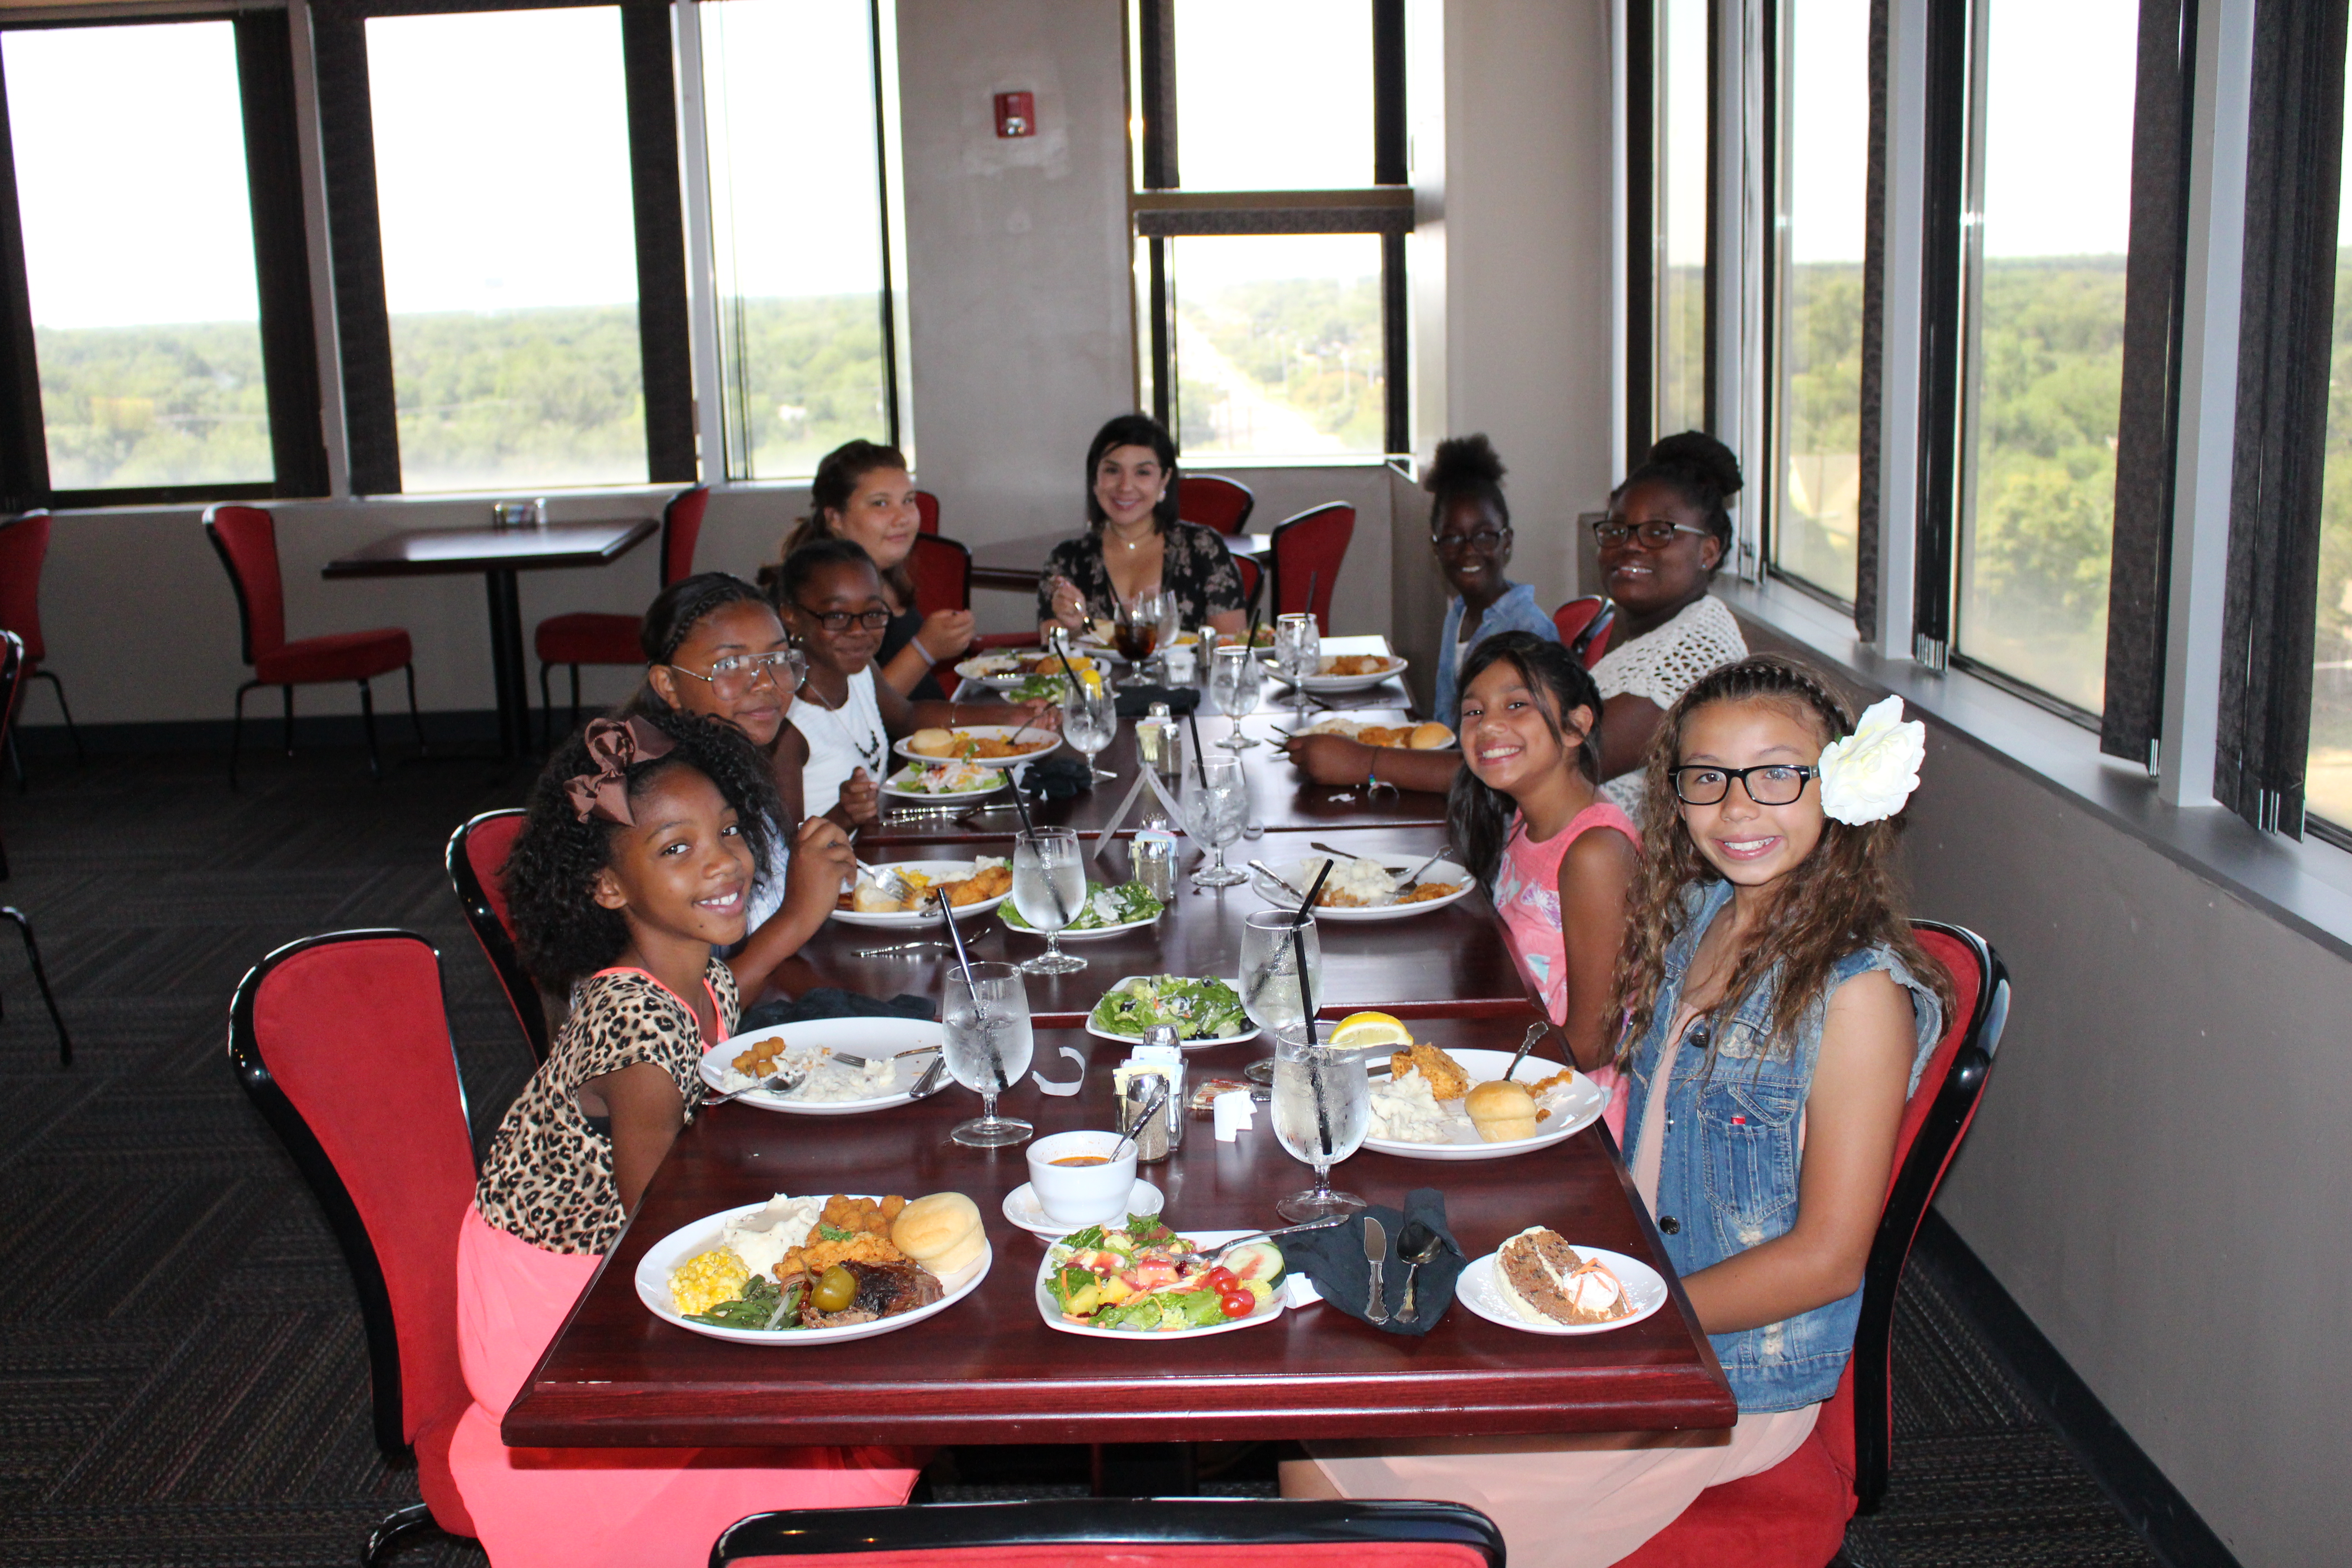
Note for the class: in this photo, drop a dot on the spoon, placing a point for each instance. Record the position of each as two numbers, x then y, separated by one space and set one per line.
1413 1259
1143 1119
1535 1033
784 1082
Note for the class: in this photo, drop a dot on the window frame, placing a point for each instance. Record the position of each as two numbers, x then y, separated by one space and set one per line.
1645 257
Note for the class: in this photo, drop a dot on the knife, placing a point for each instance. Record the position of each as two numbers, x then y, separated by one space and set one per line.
1376 1252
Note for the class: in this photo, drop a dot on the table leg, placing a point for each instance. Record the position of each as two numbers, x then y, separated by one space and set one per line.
505 663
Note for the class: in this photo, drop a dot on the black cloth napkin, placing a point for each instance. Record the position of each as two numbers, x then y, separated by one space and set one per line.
1058 778
1135 701
832 1002
1335 1260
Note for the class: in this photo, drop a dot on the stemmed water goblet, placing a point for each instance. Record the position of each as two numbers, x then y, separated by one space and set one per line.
1322 1109
1235 678
989 1043
1218 800
1049 890
1089 722
1298 653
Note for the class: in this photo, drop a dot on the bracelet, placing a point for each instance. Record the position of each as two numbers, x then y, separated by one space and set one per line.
916 644
1371 770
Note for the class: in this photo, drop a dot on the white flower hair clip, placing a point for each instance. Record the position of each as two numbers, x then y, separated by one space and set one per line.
1868 775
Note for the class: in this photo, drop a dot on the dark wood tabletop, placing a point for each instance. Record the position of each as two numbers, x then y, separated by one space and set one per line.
1455 960
1018 564
991 1370
422 551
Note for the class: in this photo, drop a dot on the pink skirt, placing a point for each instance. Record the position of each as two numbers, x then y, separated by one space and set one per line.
587 1508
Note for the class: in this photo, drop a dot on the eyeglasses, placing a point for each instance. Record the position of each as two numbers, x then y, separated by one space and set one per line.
1655 534
1483 541
1772 784
737 673
839 620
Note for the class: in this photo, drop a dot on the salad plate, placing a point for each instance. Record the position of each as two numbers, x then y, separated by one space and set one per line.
1034 743
1301 874
688 1240
943 781
1112 910
1022 1207
872 1038
1644 1288
1574 1106
1175 999
1050 1309
928 914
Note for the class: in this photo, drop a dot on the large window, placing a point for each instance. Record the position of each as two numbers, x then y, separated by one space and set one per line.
2328 774
2051 180
138 250
1824 121
797 228
510 250
1680 154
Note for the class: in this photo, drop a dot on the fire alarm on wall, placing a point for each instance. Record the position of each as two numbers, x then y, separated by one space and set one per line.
1016 114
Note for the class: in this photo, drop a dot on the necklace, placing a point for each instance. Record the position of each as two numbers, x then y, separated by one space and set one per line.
869 751
1130 543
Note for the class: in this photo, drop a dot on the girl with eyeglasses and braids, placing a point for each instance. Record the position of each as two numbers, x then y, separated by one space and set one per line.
1779 1011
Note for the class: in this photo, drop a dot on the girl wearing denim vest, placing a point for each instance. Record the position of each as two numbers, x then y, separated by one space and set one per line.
1779 1012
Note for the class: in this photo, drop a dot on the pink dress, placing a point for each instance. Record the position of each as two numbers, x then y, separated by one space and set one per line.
1526 894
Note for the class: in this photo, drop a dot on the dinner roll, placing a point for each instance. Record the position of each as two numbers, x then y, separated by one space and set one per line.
1501 1110
940 1232
932 743
1431 737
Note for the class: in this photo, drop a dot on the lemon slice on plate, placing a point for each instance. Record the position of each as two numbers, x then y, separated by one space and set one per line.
1360 1029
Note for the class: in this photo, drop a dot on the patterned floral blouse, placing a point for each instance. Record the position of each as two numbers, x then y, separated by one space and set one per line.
1195 567
548 1179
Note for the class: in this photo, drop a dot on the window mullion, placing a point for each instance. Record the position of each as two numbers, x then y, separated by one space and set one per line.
24 446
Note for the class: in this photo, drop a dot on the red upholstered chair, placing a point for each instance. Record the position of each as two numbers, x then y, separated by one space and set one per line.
1308 551
927 507
606 636
23 545
1252 579
247 540
12 680
1584 625
1214 501
941 569
1794 1515
477 860
338 1038
1132 1532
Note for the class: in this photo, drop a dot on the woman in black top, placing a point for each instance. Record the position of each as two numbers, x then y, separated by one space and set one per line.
1136 546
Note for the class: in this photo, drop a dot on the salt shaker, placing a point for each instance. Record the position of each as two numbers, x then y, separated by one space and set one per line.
1154 856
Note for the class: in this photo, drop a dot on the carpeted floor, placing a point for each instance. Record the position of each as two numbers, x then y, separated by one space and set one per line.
182 1375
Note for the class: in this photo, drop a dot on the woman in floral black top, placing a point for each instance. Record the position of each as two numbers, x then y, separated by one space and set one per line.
1136 544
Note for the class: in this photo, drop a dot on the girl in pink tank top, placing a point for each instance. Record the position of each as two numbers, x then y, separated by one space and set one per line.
1530 823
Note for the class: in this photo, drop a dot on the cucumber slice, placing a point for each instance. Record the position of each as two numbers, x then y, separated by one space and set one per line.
1255 1260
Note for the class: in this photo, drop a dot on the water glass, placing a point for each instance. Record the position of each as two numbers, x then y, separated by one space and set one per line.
1049 888
1270 967
1090 723
1219 800
1298 653
1322 1108
989 1044
1235 678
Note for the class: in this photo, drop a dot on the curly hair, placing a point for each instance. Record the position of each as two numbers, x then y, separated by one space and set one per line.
1703 471
1479 814
1466 468
551 876
1845 896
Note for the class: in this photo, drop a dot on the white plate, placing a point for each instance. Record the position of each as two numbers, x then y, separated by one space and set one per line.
1267 1310
1296 873
1353 728
1035 743
1337 683
867 1038
1475 1289
1081 935
652 1289
938 871
998 671
1573 1109
891 788
1021 1207
1201 1045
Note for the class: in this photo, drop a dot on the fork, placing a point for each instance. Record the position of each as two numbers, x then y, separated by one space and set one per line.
782 1082
1330 1223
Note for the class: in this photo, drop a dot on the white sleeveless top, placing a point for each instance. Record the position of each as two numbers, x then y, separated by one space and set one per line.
839 744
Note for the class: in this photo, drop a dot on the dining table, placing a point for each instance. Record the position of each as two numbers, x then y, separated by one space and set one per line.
992 1368
499 555
1020 563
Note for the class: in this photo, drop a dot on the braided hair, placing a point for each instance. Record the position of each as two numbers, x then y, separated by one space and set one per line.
1465 469
1703 471
564 933
684 604
1478 813
1845 896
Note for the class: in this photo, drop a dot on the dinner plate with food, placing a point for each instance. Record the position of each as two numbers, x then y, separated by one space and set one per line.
1108 911
944 780
1340 672
1366 886
900 893
1205 1013
1432 1104
1032 675
1135 1280
1429 737
998 745
852 1065
1538 1283
816 1271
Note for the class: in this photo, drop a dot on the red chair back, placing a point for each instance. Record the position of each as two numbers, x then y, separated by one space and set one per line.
1214 501
1252 575
247 540
477 860
941 569
1308 551
927 507
681 530
1584 625
23 545
1132 1532
342 1042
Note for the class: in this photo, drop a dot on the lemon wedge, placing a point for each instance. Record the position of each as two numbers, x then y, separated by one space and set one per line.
1360 1029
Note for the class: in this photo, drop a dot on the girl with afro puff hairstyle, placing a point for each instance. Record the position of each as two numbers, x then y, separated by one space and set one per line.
635 864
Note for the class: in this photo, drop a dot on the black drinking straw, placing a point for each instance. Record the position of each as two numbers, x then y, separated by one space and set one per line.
979 1010
1249 639
1200 758
1306 1004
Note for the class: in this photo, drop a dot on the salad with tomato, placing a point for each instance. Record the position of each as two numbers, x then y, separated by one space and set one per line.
1129 1277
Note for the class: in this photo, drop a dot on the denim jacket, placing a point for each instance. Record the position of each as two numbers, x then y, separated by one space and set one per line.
1734 1185
1516 611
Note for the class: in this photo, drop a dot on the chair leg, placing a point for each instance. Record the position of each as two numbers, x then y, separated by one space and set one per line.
415 721
289 720
546 710
17 762
367 719
41 979
237 729
81 756
575 697
398 1523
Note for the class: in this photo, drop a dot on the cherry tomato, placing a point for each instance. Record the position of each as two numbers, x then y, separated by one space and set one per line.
1220 1279
1237 1303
